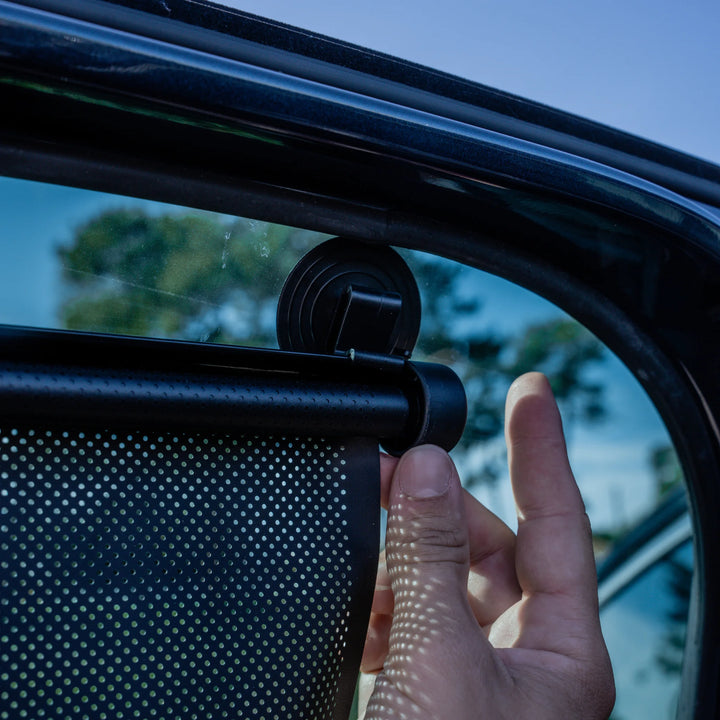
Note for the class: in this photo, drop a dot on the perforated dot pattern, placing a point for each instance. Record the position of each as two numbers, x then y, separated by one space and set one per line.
167 576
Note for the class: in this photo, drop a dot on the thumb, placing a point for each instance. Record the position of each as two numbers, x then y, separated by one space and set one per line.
435 642
427 540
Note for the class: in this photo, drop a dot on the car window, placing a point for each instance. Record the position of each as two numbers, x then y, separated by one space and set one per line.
645 625
82 260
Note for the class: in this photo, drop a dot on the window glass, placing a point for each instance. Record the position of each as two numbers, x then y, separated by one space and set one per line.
90 261
84 260
644 627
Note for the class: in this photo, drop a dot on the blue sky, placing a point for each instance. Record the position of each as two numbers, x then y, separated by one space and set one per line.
645 66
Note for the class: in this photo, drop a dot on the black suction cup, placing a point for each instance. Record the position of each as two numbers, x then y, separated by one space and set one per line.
347 295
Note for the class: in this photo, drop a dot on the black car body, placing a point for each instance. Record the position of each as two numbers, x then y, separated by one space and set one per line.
190 103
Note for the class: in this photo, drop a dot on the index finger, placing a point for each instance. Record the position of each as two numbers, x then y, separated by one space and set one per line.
554 555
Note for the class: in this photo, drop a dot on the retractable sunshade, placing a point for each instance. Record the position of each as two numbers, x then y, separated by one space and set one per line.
192 531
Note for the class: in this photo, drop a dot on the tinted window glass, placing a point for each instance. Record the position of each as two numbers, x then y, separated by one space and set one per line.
645 626
90 261
85 260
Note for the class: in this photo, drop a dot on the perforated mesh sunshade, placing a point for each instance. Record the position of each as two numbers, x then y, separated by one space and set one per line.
192 532
156 575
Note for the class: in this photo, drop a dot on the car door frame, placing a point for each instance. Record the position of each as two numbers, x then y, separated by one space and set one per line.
278 124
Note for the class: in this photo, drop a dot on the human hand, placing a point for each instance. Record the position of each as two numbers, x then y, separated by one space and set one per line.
470 621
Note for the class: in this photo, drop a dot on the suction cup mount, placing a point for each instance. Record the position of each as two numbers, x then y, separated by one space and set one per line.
349 297
361 301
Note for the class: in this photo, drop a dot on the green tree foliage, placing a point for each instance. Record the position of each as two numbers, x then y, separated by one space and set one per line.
563 350
666 469
205 277
192 276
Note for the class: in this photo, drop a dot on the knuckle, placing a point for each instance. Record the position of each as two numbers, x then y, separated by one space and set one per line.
423 542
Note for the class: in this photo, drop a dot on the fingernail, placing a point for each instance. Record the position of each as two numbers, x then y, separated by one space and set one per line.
425 472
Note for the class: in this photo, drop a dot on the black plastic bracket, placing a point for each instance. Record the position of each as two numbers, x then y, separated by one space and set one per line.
362 301
348 296
438 409
364 320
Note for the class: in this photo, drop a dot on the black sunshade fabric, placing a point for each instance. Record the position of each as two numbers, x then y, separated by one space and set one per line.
166 575
190 531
